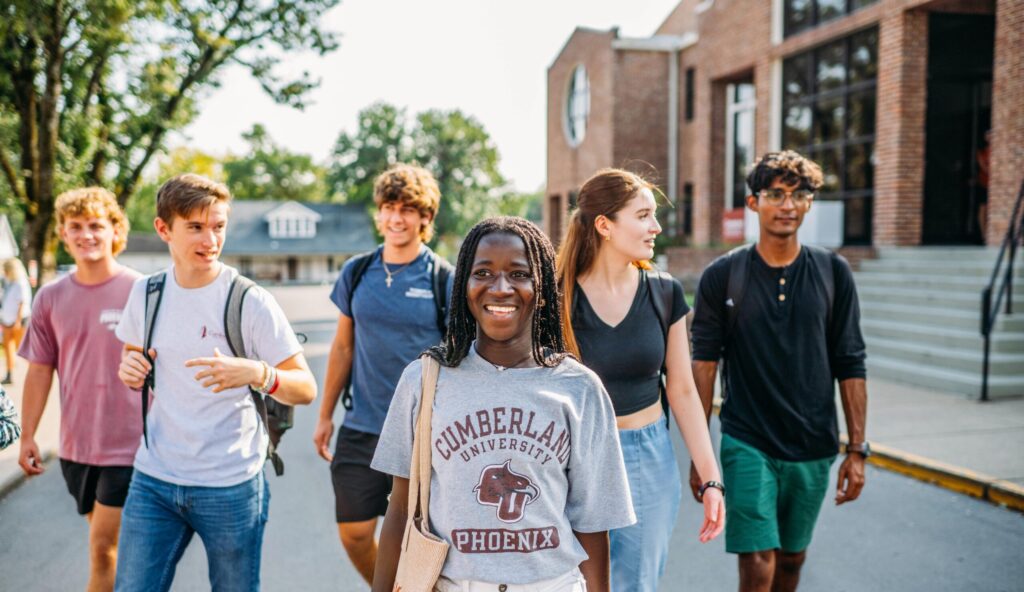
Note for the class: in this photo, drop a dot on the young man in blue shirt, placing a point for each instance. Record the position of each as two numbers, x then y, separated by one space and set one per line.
388 317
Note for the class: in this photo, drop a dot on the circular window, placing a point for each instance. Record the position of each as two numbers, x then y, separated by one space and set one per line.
577 106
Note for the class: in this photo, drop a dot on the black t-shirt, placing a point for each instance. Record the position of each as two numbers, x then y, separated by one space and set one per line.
628 356
779 364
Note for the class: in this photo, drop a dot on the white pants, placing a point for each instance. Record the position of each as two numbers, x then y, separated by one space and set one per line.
569 582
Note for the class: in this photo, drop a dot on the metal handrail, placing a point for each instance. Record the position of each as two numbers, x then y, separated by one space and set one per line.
989 308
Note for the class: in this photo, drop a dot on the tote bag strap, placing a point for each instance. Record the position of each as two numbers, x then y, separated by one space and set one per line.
419 472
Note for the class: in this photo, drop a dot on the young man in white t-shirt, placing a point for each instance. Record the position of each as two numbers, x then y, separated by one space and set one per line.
201 467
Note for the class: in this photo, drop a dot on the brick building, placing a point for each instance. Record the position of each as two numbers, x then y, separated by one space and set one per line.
892 97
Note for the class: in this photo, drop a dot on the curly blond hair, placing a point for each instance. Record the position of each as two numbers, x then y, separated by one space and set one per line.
410 185
95 202
788 166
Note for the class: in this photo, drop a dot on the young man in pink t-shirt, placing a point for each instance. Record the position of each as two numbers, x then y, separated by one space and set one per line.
72 332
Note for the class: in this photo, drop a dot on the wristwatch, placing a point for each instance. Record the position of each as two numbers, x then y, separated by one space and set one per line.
861 448
708 485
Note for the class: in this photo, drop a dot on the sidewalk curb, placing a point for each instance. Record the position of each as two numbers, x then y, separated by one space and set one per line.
953 478
996 491
15 479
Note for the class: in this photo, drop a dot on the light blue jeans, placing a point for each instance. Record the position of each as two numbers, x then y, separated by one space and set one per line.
639 551
159 519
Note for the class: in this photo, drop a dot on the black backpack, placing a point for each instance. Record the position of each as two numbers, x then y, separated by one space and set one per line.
739 271
276 416
441 271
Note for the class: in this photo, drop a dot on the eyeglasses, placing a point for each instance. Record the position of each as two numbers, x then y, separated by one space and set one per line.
777 197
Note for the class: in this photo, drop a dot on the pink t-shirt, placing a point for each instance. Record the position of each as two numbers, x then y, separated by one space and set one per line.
72 329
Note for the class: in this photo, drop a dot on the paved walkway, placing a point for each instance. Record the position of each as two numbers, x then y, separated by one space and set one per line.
960 444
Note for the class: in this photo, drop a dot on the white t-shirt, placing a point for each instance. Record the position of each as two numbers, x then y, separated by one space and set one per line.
198 437
15 293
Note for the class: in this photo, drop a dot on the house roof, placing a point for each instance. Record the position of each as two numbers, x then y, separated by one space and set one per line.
341 229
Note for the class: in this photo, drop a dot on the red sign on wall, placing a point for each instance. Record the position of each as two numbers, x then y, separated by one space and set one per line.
732 226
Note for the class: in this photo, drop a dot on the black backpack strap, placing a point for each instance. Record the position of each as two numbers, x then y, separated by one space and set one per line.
154 293
359 266
441 271
240 286
739 269
659 288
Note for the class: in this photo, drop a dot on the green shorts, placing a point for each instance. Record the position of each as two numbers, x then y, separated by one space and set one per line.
770 503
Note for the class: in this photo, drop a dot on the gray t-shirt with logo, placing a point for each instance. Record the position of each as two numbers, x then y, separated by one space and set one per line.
521 458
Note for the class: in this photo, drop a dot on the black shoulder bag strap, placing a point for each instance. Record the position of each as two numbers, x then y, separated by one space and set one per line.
739 270
154 292
659 287
823 265
240 286
441 271
359 267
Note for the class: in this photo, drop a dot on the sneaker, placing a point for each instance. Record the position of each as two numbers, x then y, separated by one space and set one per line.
7 379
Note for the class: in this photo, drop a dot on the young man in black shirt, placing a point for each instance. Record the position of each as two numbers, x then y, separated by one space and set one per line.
784 320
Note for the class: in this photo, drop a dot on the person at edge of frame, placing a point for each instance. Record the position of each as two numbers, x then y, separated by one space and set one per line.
72 333
780 435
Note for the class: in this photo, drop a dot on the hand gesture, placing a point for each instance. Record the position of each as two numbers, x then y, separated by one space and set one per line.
29 459
224 372
322 438
851 479
134 366
714 514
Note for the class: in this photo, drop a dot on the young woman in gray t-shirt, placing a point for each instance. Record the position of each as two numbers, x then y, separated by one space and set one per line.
527 475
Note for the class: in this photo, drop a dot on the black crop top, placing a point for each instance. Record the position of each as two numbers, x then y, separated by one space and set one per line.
628 356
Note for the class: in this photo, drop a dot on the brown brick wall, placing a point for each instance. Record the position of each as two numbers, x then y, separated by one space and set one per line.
641 113
568 167
1007 118
900 127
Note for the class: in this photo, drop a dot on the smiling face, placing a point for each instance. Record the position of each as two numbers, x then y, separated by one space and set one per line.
500 293
196 240
89 239
634 229
400 224
782 220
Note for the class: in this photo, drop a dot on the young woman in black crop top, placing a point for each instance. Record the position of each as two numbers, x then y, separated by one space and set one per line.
610 322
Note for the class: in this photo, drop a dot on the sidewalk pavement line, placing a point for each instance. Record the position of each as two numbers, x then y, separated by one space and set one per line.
953 478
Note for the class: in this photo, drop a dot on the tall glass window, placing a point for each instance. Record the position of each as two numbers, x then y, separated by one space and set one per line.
739 151
828 114
577 106
800 15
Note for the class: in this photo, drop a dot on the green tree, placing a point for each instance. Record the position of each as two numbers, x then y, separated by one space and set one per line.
89 89
381 139
453 146
269 171
141 209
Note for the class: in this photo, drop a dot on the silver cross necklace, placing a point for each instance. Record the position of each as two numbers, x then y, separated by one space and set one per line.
390 274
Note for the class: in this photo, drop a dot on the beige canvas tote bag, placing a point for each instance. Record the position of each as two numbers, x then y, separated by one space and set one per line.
423 553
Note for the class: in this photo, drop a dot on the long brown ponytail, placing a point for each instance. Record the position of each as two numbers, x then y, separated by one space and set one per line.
603 194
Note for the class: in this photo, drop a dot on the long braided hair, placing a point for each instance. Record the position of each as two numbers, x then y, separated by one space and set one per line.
546 326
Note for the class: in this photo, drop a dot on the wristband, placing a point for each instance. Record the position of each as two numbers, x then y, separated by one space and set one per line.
708 485
264 375
277 382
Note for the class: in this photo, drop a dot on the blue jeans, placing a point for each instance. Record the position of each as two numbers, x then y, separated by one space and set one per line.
159 519
638 552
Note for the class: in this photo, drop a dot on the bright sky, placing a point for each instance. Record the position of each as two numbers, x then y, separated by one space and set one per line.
485 57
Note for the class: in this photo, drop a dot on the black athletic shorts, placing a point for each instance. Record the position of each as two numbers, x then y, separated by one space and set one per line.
360 493
89 484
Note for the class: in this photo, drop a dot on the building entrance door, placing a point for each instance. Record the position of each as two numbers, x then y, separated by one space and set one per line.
960 54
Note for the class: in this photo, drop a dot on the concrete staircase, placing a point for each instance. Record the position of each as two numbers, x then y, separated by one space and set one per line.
921 318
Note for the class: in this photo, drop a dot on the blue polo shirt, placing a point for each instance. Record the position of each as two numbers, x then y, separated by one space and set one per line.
393 325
